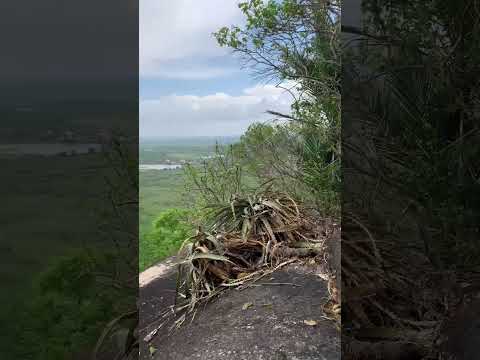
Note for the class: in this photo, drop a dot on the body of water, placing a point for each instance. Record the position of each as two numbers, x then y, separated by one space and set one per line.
48 149
159 167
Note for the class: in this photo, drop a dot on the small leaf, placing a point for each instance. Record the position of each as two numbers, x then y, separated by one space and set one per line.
310 322
152 350
247 305
206 256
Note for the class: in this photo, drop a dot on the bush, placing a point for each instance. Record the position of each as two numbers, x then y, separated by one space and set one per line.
68 308
168 232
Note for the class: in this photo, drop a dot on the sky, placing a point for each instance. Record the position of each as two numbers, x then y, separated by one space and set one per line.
68 49
189 86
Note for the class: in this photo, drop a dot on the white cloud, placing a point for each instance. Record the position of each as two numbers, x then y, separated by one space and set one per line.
174 30
215 114
196 73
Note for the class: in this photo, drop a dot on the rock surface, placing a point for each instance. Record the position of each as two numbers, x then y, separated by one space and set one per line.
273 326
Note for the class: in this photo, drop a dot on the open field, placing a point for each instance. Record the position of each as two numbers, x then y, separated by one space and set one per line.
162 190
49 193
159 190
178 150
51 207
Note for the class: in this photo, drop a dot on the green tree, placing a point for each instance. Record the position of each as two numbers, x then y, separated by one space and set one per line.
423 59
296 44
169 230
256 150
69 306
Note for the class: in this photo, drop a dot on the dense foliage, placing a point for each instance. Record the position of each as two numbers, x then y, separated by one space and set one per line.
295 43
75 297
168 232
69 306
424 102
410 152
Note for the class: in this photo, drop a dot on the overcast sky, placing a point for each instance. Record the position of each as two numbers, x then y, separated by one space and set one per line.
189 86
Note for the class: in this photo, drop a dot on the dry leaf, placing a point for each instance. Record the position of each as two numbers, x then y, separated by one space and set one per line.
247 305
310 322
150 335
242 275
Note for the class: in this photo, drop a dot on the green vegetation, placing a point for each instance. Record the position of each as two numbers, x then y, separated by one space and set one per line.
176 150
47 121
159 190
170 229
293 41
161 153
432 120
416 72
61 299
40 197
162 196
69 307
258 201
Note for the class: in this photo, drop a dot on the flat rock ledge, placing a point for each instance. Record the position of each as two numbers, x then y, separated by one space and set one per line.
275 325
